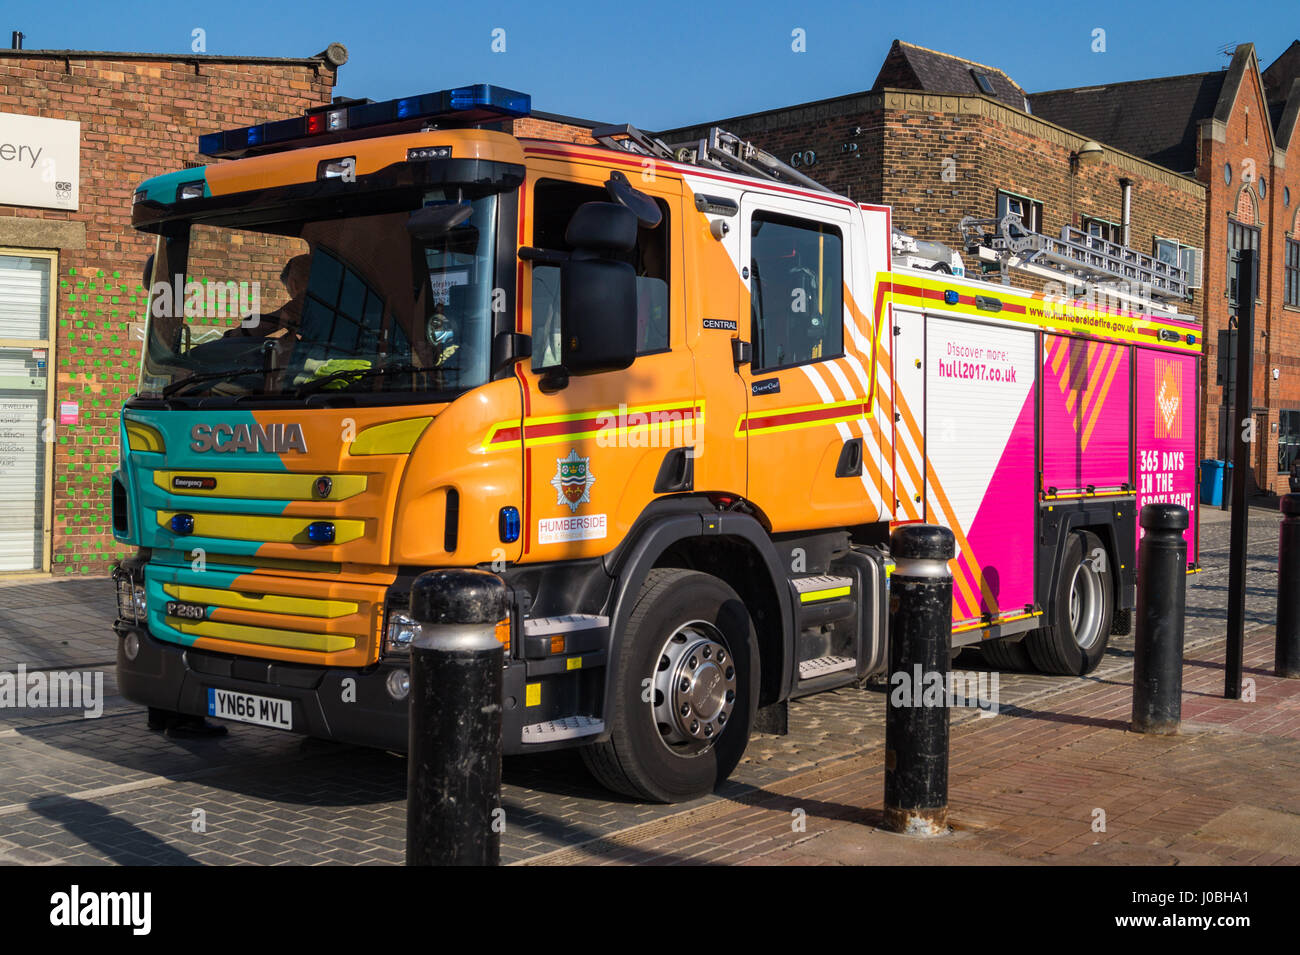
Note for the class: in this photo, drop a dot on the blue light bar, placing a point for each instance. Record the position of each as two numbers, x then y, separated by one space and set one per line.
497 99
475 104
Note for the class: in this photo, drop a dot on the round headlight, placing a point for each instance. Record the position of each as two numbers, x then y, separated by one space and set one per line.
131 645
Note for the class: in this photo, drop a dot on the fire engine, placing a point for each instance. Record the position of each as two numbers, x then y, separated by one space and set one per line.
675 395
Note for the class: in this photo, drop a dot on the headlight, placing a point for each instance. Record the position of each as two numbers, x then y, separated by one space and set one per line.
402 629
131 602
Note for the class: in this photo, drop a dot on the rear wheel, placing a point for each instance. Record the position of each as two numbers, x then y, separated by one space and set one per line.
685 691
1005 655
1076 640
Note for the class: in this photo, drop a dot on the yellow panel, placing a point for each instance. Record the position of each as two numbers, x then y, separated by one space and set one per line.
824 594
143 437
395 437
249 484
264 636
267 603
276 563
532 694
266 530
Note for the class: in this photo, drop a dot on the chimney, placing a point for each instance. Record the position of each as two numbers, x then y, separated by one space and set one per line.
1126 185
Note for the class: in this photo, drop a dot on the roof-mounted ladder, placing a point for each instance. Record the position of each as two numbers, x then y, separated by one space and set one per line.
718 149
1077 257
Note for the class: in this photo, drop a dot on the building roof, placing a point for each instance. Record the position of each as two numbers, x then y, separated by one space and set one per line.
335 55
1155 119
1280 74
911 67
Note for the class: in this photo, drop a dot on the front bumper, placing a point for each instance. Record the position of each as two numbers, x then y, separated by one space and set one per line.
344 704
325 705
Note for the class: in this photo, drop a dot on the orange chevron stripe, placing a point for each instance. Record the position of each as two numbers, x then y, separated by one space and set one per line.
945 505
1062 346
1094 378
1101 399
1078 376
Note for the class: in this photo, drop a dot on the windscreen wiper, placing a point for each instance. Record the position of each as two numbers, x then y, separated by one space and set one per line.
355 375
176 386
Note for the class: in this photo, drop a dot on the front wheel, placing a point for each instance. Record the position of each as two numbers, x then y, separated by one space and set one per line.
1076 640
685 690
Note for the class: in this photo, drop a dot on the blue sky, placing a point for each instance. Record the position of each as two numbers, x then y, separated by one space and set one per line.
673 62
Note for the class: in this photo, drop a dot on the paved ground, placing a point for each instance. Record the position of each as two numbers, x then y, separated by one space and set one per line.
108 791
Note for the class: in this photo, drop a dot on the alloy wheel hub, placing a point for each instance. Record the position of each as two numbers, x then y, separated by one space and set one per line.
694 688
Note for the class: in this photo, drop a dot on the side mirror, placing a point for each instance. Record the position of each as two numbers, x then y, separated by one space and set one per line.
598 307
597 316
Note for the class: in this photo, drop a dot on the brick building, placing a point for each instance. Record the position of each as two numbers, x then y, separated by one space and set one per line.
71 297
1234 131
939 137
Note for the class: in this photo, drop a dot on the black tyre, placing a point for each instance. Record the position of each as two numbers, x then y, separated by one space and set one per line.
685 691
1005 655
1075 641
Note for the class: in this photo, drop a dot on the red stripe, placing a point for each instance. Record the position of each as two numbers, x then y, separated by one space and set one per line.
579 425
800 417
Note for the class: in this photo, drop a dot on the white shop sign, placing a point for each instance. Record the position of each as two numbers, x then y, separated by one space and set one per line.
40 162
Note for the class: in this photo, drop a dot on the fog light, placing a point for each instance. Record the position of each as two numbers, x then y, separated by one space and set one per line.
182 523
131 645
399 684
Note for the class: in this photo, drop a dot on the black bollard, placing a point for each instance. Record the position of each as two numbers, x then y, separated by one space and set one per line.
916 719
1158 640
1286 660
453 783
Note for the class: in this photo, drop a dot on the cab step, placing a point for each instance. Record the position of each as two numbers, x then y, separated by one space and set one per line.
567 727
822 666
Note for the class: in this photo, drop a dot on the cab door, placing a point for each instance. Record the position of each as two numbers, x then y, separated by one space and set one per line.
599 448
806 386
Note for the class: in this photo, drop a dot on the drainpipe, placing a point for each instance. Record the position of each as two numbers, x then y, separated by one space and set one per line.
1126 185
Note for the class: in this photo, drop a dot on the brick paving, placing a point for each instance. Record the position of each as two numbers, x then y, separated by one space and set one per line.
109 791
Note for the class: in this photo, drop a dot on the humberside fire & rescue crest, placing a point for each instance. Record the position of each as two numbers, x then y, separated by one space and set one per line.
573 480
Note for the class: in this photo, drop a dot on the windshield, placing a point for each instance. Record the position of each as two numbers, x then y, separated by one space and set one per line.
362 305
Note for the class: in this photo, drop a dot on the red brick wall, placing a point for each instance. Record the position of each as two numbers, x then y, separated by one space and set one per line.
139 118
937 158
1248 145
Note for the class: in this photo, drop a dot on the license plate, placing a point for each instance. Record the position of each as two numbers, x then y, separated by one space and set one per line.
177 608
248 708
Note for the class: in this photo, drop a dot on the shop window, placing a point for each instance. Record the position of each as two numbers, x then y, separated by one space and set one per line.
1288 440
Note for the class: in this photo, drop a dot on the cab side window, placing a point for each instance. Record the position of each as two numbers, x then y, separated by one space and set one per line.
555 203
796 291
